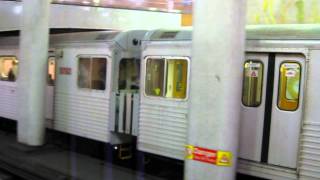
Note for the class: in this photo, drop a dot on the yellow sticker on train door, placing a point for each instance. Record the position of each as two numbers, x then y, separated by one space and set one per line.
224 158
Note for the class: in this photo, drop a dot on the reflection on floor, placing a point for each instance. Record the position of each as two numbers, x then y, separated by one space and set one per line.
52 162
70 157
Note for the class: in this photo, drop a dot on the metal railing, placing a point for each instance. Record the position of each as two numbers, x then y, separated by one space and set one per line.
125 112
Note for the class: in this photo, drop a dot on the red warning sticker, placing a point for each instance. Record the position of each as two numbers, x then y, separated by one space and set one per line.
205 155
219 158
65 70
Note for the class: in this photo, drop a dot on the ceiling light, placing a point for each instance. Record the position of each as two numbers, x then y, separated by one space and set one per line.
96 1
152 9
138 2
85 2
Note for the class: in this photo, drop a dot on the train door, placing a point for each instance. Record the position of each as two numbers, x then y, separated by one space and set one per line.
51 76
271 108
127 96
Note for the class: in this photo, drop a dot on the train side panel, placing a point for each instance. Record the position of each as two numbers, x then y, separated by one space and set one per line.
163 122
82 111
8 90
8 103
309 159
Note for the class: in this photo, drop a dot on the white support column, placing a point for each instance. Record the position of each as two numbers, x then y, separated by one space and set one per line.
216 84
32 71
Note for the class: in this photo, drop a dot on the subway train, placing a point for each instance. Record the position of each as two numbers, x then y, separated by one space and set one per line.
111 86
88 74
279 133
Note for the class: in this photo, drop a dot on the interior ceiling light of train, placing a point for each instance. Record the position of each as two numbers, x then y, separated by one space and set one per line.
173 6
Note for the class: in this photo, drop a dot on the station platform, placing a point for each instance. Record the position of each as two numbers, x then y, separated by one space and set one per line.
66 157
51 162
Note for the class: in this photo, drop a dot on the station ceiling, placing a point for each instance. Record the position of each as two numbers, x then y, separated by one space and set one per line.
258 11
175 6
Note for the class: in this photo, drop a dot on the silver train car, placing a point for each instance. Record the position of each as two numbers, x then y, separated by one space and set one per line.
163 121
280 128
96 90
88 73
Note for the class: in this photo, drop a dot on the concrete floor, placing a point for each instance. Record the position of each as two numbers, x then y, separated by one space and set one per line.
54 163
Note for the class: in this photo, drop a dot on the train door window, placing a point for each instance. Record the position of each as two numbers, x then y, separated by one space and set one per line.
252 83
155 77
129 74
8 68
289 85
92 73
51 71
176 84
98 73
84 79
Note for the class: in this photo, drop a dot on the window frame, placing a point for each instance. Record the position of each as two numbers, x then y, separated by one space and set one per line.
17 76
55 70
91 56
279 85
139 70
262 82
145 75
166 58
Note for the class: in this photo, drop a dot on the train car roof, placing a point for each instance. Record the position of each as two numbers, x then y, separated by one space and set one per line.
121 38
9 41
283 32
83 37
124 39
78 37
253 32
168 35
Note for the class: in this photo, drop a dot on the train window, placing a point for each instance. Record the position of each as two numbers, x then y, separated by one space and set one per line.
129 70
176 84
92 73
51 71
289 85
167 77
8 68
252 83
155 77
84 73
98 73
